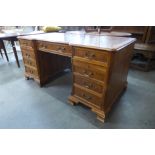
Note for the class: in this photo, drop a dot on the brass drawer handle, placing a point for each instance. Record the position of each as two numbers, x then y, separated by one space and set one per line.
89 56
86 96
90 73
61 49
44 46
27 55
31 71
87 74
92 55
88 85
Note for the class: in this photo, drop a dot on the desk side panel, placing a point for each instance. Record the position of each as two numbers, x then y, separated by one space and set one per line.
118 75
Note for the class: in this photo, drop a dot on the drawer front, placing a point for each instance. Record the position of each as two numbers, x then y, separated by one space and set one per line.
89 70
90 54
31 71
83 94
26 43
60 48
30 62
88 83
27 54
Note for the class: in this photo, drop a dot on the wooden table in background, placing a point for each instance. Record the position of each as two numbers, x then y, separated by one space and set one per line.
12 37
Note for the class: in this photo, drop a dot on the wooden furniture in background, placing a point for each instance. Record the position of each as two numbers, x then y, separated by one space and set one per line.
143 57
2 47
98 29
0 50
12 37
138 32
99 65
143 54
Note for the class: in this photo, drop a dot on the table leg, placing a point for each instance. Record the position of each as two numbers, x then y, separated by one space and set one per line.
15 52
3 46
1 53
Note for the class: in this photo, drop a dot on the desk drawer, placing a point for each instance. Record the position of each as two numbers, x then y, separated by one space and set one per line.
91 54
31 71
30 62
26 43
89 70
59 48
28 54
88 83
85 95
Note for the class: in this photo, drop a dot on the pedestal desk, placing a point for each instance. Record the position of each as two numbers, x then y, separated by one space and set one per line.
99 65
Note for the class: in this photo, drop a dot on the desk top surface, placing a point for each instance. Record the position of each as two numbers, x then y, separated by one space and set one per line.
104 42
16 34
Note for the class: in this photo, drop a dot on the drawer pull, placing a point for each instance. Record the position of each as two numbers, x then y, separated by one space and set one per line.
89 56
86 96
61 49
88 86
27 55
92 55
87 74
44 46
31 71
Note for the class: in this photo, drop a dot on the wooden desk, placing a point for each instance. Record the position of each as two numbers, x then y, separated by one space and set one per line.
12 37
99 65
